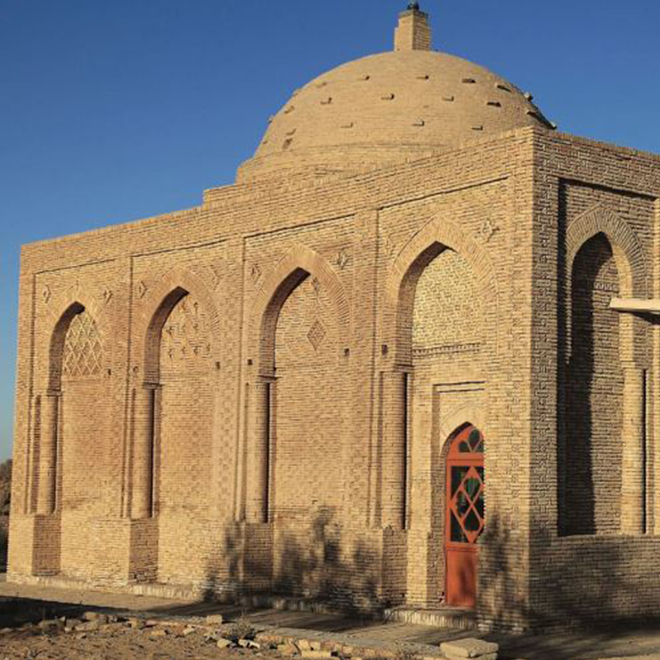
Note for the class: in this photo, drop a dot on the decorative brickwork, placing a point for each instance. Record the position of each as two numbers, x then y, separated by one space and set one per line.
257 394
83 350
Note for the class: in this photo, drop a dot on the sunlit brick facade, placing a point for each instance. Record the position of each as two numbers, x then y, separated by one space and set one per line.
260 393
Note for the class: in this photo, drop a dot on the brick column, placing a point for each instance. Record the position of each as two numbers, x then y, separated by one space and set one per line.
143 452
633 465
46 496
393 466
259 454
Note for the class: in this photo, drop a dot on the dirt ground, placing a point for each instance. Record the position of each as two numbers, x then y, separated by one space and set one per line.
49 623
123 640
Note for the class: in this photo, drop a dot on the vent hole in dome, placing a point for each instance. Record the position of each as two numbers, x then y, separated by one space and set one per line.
495 104
327 101
449 99
426 77
387 97
477 128
504 88
469 81
541 119
286 144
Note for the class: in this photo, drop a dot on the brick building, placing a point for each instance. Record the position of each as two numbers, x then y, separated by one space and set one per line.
409 358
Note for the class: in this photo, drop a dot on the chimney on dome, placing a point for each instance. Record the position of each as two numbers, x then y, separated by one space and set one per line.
413 31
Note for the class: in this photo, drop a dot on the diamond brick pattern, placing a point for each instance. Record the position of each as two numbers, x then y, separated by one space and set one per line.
316 335
83 349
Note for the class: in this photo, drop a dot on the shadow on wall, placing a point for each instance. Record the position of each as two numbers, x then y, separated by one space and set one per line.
5 496
309 559
591 377
584 583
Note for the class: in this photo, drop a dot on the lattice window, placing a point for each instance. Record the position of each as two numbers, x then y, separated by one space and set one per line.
83 349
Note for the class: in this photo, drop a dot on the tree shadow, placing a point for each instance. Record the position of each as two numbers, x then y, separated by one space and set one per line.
581 600
311 565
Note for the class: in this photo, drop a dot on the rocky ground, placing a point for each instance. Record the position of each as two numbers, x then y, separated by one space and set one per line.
100 636
47 629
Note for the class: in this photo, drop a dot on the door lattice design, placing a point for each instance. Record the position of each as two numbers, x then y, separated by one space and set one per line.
465 515
466 486
467 504
83 350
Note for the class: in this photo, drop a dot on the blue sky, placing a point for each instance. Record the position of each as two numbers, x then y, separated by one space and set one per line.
113 111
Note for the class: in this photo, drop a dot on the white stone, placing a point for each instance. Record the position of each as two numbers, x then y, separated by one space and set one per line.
469 648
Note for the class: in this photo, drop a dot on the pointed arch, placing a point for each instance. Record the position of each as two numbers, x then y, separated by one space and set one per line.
600 344
157 306
65 309
626 247
299 263
457 419
433 239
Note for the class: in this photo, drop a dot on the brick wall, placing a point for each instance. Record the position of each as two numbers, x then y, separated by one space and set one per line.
336 297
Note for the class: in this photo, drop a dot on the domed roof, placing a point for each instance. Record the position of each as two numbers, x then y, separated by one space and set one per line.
388 108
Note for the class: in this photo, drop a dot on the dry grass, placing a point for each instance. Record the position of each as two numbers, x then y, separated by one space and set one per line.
239 629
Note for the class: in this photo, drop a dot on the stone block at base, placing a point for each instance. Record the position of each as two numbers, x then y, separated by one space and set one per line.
461 649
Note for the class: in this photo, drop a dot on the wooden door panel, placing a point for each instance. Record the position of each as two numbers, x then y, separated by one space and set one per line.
465 516
461 577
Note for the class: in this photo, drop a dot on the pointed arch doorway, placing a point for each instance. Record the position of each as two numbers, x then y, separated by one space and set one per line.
464 515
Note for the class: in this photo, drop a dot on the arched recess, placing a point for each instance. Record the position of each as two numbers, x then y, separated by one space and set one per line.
628 255
601 382
75 355
435 237
63 308
450 266
298 335
173 418
621 506
56 349
158 304
299 263
74 384
626 247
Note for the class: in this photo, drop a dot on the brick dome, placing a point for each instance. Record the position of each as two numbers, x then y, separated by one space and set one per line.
385 109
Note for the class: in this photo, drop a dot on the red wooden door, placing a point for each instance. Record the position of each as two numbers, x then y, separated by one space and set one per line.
465 515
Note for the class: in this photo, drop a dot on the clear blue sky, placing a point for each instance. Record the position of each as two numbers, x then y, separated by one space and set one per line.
113 111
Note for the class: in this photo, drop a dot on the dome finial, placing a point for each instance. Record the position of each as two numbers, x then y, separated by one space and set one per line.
413 31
